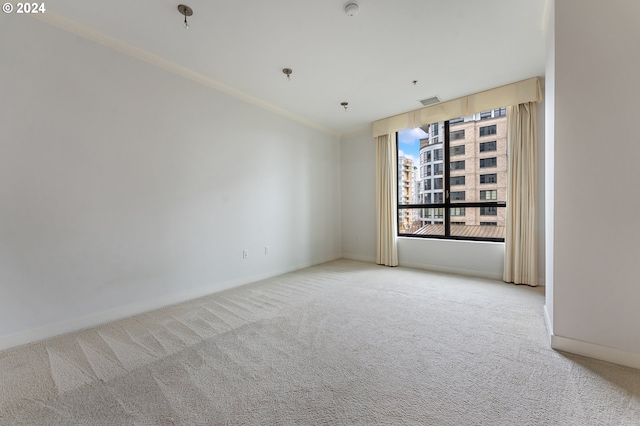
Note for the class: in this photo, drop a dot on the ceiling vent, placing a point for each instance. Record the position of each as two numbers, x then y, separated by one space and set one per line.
430 101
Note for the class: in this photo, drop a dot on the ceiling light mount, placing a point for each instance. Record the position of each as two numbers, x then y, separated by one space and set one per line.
287 72
344 105
186 11
351 8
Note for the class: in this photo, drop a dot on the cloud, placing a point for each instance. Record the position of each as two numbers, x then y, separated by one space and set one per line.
409 156
411 136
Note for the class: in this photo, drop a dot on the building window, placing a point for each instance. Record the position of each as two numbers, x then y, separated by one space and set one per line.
488 162
488 211
457 165
457 180
485 115
490 178
457 135
457 196
456 120
488 130
491 194
457 150
428 156
500 112
444 201
488 146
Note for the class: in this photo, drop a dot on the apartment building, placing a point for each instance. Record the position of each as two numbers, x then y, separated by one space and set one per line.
478 169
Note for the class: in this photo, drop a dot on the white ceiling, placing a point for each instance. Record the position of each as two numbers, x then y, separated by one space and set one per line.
452 47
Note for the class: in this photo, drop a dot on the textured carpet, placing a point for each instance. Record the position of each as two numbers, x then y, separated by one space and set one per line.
340 343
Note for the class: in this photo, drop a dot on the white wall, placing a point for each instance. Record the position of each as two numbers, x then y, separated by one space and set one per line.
549 144
596 233
483 259
358 154
125 187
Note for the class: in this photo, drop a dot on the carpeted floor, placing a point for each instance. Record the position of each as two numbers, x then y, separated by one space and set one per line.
340 343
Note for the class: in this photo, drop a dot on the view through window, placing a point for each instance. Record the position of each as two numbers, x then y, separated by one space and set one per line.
452 178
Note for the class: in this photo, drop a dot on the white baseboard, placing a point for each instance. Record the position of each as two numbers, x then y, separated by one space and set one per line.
457 271
591 350
359 257
92 320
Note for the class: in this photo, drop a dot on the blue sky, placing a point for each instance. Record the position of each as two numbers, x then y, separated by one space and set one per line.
409 143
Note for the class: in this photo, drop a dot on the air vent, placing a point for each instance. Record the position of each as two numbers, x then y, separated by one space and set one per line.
430 101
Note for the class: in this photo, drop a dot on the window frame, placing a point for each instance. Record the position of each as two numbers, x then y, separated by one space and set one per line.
447 203
493 130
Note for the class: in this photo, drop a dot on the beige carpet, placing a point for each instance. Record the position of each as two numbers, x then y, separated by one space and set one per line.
340 343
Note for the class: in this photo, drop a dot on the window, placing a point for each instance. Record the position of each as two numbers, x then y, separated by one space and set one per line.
452 202
488 162
457 196
457 165
500 112
485 115
457 135
490 178
491 194
457 180
488 146
488 130
488 211
457 150
456 120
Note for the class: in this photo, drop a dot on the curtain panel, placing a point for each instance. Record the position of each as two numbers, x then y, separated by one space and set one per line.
386 197
521 240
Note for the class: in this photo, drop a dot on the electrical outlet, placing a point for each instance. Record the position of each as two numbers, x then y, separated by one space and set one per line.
245 253
266 250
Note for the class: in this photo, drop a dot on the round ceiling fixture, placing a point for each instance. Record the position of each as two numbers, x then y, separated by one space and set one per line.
351 8
186 11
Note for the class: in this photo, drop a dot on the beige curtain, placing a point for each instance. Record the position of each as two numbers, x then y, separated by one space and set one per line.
386 197
511 94
521 252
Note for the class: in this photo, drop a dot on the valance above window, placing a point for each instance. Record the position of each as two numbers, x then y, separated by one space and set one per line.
511 94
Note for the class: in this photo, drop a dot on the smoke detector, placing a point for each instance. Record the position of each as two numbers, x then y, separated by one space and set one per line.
351 8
